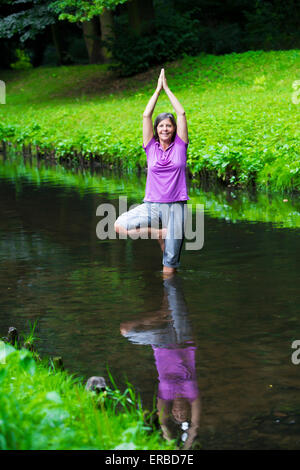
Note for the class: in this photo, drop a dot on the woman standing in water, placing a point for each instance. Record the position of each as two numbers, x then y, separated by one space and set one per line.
165 145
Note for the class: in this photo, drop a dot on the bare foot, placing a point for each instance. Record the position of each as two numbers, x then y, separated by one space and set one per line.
168 272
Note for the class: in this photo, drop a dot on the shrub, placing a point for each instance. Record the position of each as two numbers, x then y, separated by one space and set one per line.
134 54
23 61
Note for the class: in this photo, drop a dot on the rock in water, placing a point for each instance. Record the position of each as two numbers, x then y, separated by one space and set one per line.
96 384
58 363
12 335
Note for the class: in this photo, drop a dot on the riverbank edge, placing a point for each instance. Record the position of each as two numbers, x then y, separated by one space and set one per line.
108 403
106 161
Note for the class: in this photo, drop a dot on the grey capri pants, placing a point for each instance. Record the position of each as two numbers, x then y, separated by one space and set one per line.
169 215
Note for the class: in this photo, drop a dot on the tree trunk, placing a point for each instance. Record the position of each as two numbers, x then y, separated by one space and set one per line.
92 37
56 42
141 16
106 22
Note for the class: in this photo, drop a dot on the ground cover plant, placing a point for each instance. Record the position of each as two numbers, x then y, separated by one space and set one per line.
42 408
241 110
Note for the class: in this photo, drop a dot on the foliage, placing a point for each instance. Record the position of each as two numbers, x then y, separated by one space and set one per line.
28 22
42 409
182 27
134 53
82 10
272 24
23 61
214 27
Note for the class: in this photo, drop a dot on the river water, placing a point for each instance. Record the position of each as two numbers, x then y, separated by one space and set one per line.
220 332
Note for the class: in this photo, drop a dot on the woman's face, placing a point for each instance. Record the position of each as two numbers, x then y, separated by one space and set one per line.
165 130
181 410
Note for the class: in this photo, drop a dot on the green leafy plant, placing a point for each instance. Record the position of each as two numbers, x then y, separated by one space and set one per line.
42 409
23 61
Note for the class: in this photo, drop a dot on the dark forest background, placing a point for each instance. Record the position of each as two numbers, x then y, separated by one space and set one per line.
136 34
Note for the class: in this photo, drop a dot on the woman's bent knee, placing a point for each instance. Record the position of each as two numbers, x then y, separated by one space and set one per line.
119 228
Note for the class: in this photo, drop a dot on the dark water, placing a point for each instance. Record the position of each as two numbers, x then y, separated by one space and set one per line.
228 319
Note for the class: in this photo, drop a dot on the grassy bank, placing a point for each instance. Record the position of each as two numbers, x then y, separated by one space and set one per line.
243 124
45 409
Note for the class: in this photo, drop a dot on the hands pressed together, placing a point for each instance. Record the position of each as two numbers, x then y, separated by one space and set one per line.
178 108
162 81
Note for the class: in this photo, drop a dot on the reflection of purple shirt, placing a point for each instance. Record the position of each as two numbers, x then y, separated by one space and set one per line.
176 373
166 181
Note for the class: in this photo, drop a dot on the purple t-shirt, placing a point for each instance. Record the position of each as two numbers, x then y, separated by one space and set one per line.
166 181
176 373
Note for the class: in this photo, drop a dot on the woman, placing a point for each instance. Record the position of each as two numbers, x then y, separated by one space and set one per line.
166 190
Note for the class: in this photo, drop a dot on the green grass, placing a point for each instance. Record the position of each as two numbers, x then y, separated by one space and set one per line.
44 409
243 125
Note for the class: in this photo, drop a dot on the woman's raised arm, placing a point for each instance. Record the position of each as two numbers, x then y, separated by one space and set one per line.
147 115
182 129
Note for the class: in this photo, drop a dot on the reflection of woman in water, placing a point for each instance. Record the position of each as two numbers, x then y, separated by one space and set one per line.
169 333
178 395
165 145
